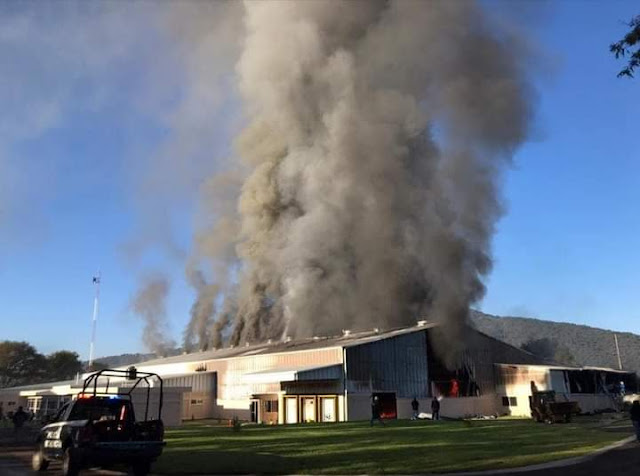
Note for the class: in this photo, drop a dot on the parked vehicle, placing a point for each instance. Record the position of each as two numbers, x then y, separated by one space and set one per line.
100 429
545 408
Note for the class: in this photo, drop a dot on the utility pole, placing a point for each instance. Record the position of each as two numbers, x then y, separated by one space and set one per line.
96 283
615 337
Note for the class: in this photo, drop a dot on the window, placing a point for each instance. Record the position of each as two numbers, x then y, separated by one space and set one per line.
271 406
509 402
61 412
99 409
197 402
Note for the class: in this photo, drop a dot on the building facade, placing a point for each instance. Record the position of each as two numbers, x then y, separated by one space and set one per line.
331 379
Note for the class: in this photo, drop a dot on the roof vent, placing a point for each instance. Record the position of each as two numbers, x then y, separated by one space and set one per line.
422 323
376 330
316 338
287 339
269 341
246 344
346 332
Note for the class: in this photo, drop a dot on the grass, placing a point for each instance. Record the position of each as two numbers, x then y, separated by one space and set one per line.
401 447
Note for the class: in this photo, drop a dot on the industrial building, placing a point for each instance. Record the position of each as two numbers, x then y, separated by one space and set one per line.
330 379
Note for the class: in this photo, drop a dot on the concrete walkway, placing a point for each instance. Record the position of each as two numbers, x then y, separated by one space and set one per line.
613 460
623 460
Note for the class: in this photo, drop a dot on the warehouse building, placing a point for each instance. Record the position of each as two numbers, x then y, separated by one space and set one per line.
330 379
594 388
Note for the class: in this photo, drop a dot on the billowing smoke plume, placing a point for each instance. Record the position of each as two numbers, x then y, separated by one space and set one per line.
197 334
376 137
149 305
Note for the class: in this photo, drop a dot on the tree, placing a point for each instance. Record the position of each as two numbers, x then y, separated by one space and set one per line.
624 48
550 350
63 365
20 363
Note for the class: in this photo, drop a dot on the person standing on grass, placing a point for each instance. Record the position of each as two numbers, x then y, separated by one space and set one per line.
18 418
635 417
415 406
435 409
375 410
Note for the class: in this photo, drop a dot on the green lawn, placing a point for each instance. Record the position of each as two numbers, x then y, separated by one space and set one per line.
401 447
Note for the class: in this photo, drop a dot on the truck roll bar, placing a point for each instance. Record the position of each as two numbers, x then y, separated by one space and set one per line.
131 374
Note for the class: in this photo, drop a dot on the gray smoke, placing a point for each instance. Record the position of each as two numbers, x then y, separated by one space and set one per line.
197 335
149 305
377 133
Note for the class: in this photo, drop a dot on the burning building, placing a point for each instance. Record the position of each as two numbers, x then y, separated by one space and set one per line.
331 379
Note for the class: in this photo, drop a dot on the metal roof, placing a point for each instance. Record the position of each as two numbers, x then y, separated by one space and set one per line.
311 343
350 339
566 367
39 386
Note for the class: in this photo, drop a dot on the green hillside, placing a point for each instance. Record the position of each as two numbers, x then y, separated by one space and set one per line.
589 346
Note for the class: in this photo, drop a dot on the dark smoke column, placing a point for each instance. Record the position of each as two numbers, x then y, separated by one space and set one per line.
354 213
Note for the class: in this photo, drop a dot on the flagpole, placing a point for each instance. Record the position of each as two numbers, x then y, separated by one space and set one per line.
96 282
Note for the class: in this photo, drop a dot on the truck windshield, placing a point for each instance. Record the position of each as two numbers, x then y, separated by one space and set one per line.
100 409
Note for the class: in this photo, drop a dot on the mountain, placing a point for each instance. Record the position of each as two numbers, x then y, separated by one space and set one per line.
589 346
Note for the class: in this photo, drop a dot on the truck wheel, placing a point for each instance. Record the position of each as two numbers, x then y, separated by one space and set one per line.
38 461
70 466
141 468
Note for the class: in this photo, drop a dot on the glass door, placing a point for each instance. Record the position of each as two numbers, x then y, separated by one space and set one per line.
328 409
291 410
255 412
308 409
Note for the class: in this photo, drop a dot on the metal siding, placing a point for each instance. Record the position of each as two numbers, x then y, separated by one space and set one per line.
332 372
484 351
397 364
198 382
230 371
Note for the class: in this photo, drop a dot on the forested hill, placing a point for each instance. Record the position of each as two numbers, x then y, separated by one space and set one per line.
131 359
589 346
124 359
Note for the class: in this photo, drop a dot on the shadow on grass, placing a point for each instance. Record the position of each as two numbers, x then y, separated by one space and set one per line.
400 447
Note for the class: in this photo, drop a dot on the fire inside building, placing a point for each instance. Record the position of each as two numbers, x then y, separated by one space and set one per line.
331 379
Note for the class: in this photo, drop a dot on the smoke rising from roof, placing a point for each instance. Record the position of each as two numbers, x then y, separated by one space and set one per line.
197 333
149 305
377 133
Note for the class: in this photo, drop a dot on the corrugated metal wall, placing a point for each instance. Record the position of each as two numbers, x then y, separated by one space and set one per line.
397 364
198 382
230 371
485 351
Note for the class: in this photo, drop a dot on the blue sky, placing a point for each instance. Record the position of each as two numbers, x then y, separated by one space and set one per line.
89 111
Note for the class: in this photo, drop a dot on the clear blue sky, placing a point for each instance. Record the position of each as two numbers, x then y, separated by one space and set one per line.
87 98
